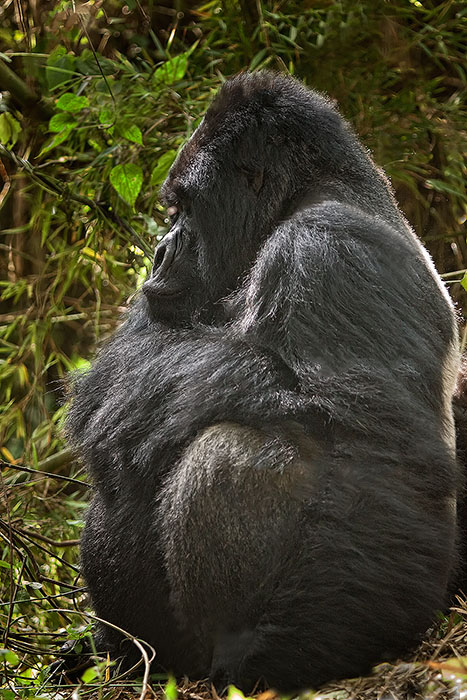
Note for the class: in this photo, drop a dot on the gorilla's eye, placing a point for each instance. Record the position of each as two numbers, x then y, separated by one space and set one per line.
172 214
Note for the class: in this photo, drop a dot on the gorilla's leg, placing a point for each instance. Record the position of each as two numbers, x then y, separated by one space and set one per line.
230 512
297 567
124 569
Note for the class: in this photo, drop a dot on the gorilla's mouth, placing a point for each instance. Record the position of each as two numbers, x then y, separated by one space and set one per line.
170 293
155 292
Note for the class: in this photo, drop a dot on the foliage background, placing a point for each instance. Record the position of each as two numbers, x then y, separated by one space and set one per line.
96 98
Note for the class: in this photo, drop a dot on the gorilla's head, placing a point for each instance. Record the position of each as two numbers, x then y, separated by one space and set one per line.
265 146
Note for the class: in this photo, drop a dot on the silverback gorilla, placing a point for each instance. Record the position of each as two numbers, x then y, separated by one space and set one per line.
270 431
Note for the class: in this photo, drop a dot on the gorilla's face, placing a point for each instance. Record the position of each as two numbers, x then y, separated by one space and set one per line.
242 172
175 288
214 236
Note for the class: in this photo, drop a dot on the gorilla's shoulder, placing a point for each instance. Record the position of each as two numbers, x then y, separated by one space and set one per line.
341 221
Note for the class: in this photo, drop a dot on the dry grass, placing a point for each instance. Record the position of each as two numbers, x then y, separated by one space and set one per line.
436 671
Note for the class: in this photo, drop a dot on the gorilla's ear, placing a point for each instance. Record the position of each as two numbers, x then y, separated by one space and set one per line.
255 180
254 176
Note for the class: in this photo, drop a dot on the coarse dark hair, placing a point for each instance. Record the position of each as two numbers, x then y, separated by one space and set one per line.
270 431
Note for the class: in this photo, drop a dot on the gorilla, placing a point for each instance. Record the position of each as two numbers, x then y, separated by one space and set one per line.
270 431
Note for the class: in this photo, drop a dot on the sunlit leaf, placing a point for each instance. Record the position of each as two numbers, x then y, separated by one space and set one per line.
69 102
93 254
10 129
131 132
90 674
171 71
56 140
61 121
170 690
162 167
451 669
23 374
106 116
234 693
127 180
9 656
7 454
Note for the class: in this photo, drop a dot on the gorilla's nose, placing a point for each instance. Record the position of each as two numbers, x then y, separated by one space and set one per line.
165 253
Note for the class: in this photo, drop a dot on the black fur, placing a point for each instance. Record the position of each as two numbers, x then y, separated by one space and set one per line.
270 431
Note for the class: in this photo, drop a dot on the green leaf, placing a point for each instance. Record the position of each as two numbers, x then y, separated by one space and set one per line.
61 121
131 132
170 690
127 180
162 167
171 71
80 363
6 694
256 60
70 102
441 186
90 674
106 116
10 129
234 693
91 64
60 67
464 281
9 656
56 140
4 564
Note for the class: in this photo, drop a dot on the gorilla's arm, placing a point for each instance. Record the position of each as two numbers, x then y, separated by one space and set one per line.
310 342
152 388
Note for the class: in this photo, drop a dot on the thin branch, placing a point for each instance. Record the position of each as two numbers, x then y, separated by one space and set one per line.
56 188
30 470
47 540
139 644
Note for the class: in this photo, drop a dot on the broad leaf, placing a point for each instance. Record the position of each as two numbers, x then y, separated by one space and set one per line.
106 116
127 180
131 132
60 67
10 129
9 656
61 121
171 71
162 167
70 102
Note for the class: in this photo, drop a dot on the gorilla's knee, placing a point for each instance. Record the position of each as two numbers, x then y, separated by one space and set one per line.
228 514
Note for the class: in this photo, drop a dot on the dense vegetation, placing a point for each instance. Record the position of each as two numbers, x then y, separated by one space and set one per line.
95 100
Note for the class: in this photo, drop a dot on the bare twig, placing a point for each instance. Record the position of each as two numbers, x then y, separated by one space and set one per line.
139 644
47 540
29 470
